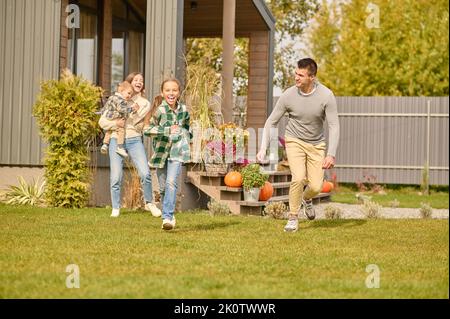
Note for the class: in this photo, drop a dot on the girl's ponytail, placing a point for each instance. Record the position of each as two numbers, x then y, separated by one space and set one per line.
156 102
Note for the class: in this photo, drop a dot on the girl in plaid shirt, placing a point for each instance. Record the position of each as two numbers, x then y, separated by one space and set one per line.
168 125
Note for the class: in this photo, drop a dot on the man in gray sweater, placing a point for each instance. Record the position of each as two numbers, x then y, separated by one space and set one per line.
308 104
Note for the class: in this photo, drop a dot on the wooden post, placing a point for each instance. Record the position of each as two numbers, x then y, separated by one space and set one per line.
229 17
105 46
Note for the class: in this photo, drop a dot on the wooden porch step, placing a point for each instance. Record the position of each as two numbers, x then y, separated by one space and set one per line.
239 189
213 174
284 198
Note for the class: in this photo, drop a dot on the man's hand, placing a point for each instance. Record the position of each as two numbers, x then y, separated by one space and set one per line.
120 123
260 156
328 162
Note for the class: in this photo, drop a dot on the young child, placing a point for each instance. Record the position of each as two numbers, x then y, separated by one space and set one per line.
168 125
117 107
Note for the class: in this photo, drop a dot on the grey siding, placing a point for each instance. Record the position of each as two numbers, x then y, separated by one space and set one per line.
163 38
29 53
386 137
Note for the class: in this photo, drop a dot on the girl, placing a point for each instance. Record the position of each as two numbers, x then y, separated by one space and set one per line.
169 127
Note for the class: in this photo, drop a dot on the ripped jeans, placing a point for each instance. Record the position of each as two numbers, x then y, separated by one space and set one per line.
168 185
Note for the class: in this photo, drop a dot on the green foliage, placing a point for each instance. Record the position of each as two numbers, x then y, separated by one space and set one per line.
407 55
65 112
291 20
26 194
252 177
277 210
208 52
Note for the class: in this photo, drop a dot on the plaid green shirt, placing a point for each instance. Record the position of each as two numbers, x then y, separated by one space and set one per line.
165 145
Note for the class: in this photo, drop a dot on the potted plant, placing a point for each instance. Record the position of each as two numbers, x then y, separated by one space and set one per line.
252 181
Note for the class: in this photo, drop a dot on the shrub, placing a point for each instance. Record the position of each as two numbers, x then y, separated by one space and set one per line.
371 209
26 194
425 210
218 208
277 210
333 212
65 113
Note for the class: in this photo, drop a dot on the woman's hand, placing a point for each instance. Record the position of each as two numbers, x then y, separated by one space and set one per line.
174 129
135 107
120 123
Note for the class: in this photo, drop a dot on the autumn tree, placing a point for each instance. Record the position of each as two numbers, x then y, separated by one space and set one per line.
291 19
383 47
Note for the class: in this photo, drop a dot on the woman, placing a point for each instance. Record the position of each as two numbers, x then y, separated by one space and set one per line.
133 145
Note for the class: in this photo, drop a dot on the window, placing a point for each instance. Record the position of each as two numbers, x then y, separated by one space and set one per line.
128 40
82 46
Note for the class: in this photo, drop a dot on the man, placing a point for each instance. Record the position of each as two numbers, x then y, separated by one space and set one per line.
308 104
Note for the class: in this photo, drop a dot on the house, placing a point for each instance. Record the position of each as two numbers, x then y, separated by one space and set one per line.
106 39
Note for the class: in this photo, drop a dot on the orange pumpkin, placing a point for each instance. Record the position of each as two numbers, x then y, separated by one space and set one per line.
327 187
266 192
233 179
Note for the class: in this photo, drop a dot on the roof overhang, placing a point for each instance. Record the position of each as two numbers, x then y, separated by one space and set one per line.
204 18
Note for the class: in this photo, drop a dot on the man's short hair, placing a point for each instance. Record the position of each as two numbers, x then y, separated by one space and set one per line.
308 64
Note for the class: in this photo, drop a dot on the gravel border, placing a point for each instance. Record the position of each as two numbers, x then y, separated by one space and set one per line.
354 212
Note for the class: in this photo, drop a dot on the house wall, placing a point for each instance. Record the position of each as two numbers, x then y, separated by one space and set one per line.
29 54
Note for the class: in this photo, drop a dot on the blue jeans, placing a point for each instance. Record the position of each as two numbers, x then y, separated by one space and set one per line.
136 152
168 185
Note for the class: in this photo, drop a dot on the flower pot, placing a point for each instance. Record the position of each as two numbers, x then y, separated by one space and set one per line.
252 195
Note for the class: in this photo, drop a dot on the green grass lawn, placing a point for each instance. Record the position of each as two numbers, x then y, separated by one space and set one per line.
408 196
217 257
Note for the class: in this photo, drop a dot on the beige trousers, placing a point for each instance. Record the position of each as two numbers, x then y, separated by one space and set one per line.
305 161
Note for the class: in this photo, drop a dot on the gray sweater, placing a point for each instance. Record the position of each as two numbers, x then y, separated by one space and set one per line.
307 114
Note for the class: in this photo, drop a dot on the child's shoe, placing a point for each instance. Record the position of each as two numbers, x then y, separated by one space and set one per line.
168 224
115 212
104 149
121 151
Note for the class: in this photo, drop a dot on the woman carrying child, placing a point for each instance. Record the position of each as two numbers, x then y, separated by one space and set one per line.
133 145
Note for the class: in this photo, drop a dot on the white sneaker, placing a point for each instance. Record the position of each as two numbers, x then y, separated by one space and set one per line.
292 225
104 149
121 151
115 212
153 209
168 224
